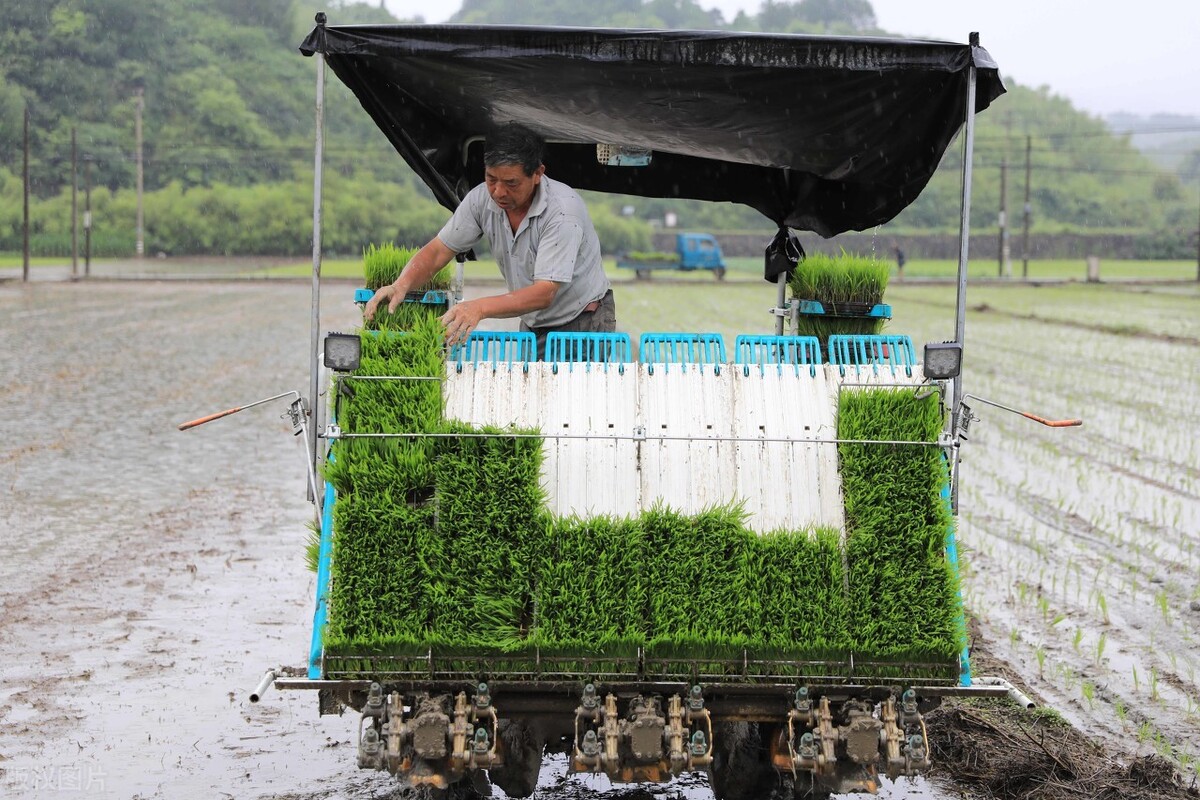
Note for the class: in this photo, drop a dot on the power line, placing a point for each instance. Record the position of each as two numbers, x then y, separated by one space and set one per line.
1086 170
1092 134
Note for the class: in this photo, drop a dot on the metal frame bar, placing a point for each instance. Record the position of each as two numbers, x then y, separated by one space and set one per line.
960 328
627 437
316 653
964 243
572 688
315 332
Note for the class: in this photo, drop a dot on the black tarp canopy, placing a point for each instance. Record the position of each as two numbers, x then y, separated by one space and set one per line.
818 133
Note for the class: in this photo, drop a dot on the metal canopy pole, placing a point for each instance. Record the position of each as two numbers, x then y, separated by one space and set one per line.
315 337
964 238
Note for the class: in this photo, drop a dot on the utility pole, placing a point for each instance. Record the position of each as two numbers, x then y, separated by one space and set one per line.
87 216
25 224
74 208
1005 267
139 107
1028 214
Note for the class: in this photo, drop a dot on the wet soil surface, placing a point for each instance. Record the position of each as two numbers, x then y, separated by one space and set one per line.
151 576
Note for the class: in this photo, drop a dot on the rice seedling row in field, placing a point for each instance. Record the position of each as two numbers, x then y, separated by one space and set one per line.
1107 516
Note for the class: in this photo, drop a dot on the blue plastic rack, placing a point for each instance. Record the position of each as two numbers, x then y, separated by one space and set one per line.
762 350
588 348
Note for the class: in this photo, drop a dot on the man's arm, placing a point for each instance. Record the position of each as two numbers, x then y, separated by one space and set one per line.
417 272
463 317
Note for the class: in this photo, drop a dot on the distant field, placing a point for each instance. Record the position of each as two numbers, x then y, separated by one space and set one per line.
748 268
9 261
740 270
483 269
1058 269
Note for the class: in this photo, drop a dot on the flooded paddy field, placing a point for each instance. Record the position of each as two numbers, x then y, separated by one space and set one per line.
151 575
1083 544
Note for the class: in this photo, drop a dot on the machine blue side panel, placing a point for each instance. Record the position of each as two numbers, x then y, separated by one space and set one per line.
321 613
964 661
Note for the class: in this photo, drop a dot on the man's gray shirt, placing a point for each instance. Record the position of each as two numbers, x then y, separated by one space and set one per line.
555 242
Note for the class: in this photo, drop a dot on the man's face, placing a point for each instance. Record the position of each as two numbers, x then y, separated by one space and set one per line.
510 187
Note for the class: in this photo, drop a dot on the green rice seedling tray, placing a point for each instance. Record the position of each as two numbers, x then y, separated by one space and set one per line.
431 297
846 308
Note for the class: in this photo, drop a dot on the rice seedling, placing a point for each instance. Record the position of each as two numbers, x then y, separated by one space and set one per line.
702 602
381 266
445 543
1077 639
804 608
590 591
903 595
490 517
1100 647
383 518
843 284
1163 602
840 279
312 545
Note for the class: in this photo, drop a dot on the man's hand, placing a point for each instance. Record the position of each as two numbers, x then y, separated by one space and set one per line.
390 293
461 320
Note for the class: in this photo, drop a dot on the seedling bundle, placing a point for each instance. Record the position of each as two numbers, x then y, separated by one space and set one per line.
443 545
847 286
382 265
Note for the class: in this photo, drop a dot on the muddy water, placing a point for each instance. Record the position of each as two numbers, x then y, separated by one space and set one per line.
150 576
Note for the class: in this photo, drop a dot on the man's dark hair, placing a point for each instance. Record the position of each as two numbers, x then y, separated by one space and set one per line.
514 144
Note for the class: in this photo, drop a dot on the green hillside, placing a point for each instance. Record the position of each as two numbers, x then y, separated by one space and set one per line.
228 124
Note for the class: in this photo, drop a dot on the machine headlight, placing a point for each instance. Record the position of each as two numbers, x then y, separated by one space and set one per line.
343 351
943 360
